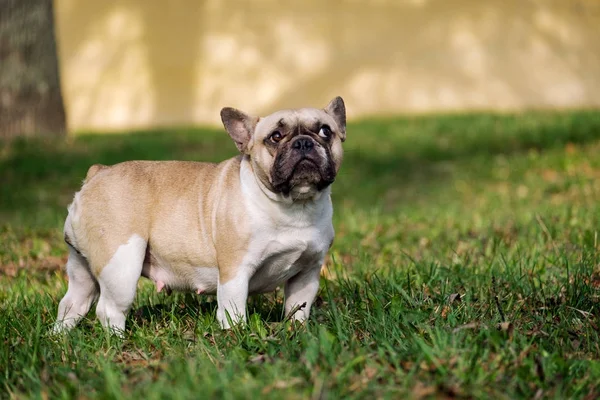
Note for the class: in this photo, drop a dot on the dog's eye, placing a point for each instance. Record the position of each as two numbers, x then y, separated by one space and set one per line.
325 132
276 137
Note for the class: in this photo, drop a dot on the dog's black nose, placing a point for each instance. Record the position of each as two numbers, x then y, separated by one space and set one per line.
303 144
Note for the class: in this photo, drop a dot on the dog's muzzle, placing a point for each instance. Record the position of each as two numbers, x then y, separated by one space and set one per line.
302 161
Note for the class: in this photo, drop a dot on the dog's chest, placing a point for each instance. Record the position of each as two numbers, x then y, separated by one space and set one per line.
282 252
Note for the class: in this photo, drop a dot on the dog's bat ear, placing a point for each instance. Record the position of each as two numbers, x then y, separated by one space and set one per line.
337 110
239 125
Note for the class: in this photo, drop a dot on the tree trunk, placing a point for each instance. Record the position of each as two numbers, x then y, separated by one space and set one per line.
30 97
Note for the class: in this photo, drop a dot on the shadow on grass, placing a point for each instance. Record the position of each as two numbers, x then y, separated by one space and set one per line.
39 176
185 305
166 311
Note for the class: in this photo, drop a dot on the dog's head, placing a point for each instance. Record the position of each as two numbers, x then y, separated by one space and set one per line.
296 153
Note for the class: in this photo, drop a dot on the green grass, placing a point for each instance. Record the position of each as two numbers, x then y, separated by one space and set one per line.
465 265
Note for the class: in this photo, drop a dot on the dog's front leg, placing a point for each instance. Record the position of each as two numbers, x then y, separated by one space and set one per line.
232 296
300 292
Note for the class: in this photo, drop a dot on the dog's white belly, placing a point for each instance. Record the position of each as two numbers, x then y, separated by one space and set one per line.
274 256
182 277
280 262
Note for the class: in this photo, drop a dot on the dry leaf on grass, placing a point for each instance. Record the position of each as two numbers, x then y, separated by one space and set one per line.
420 390
507 327
281 384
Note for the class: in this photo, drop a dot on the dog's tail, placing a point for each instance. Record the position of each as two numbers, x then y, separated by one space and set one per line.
94 169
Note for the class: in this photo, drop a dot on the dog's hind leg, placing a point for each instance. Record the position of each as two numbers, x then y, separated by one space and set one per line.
118 282
82 292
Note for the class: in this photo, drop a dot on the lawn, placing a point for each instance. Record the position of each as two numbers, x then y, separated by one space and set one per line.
465 265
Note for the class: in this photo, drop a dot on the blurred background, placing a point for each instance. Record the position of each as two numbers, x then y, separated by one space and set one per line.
115 65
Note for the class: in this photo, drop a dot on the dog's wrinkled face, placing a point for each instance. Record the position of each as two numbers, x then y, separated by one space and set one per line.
296 153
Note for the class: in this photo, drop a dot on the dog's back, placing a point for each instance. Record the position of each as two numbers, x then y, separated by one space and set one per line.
116 202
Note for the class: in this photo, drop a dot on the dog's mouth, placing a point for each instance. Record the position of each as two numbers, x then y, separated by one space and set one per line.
291 173
306 171
305 163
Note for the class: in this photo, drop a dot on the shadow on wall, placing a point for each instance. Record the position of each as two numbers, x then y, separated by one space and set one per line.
130 64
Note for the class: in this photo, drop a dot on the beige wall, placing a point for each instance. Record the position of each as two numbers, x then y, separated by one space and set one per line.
139 63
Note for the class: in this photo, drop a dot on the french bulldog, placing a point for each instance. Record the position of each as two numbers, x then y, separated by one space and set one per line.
246 225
